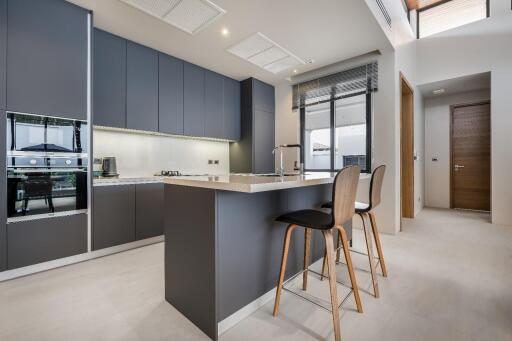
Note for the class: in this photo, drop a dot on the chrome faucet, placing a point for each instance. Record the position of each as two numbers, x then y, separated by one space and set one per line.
280 171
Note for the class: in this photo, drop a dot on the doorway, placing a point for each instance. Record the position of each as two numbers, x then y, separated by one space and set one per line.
470 174
406 148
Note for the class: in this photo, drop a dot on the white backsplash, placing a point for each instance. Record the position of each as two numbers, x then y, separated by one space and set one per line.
143 155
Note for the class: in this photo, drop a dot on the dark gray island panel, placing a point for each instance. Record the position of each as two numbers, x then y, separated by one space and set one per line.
3 52
3 194
190 255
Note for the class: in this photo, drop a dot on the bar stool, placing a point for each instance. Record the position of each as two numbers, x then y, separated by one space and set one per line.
344 195
366 211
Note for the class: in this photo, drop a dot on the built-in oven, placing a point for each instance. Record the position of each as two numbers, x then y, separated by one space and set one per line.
39 186
28 133
46 166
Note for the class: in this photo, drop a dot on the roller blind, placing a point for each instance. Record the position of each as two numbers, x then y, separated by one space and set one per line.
342 84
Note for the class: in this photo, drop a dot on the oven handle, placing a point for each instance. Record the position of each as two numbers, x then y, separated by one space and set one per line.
48 170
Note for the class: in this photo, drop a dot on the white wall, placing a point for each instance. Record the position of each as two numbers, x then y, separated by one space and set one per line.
437 142
475 48
139 154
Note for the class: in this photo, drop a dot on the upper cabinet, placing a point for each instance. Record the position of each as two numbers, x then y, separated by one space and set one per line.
232 122
193 100
263 96
214 105
47 57
141 87
3 51
170 98
109 80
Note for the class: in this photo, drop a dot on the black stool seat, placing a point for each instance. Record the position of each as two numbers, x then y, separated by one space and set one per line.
308 218
361 207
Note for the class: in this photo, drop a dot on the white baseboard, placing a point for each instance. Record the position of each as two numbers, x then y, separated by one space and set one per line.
32 269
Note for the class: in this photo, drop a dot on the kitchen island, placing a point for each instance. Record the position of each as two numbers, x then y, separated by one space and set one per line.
222 246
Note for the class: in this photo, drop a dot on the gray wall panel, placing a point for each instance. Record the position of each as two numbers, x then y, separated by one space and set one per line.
109 96
47 58
3 194
3 51
264 142
41 240
170 111
141 88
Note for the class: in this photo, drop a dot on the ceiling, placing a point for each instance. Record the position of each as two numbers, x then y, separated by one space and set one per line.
480 81
326 31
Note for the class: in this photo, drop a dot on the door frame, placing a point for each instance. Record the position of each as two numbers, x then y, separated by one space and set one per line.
405 146
452 109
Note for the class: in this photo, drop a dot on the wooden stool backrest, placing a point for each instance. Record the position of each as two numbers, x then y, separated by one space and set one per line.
376 186
344 194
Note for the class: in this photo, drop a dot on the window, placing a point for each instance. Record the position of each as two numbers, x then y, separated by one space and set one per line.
337 133
447 14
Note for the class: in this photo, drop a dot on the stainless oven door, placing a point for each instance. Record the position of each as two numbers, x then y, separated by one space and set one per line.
35 192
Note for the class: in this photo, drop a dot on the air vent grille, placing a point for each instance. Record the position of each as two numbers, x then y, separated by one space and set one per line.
263 52
384 12
190 16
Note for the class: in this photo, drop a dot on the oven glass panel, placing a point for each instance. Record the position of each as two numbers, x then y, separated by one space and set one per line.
49 191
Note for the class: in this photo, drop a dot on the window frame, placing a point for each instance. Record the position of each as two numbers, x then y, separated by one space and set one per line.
368 167
442 2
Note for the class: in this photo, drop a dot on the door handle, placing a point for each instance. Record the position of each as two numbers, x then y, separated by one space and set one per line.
457 167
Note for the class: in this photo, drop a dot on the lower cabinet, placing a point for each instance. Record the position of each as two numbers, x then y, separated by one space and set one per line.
125 213
113 216
149 211
41 240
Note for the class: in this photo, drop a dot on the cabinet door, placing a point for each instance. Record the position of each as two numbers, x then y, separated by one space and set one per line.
113 215
109 80
3 51
232 113
193 100
263 96
47 58
41 240
141 88
3 195
214 105
263 140
170 110
149 211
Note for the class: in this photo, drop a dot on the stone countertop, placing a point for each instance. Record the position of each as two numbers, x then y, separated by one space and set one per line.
251 183
127 180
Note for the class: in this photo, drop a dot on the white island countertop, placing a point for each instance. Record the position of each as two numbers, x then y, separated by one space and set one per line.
252 183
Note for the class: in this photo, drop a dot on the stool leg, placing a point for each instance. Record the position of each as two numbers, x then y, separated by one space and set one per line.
286 247
348 259
324 266
338 242
307 252
377 243
371 260
329 245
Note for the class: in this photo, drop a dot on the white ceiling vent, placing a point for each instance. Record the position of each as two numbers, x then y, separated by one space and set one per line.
263 52
190 16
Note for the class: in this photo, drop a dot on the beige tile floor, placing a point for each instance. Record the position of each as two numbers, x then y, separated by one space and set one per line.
449 278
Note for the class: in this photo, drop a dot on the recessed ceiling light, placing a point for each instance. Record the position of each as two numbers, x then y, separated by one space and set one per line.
438 91
295 71
225 32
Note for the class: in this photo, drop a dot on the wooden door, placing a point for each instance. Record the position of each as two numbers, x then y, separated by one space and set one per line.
471 157
406 149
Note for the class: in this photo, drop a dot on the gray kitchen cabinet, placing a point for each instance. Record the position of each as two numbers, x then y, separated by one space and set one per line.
149 210
193 100
3 51
263 134
232 114
263 96
214 105
3 195
113 216
170 99
109 96
41 240
141 87
253 153
47 58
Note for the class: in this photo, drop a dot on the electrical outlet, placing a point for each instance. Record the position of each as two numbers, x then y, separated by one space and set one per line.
216 162
210 162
